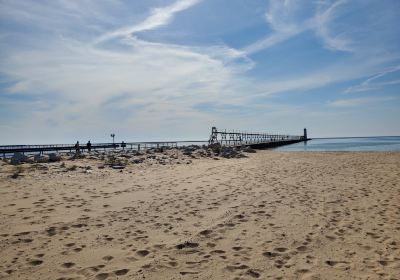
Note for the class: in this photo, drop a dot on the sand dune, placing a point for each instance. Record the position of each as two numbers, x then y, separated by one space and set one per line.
273 215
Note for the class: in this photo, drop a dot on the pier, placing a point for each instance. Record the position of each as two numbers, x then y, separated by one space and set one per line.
253 139
9 150
224 138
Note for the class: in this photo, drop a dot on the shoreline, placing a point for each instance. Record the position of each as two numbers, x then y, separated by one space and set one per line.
271 215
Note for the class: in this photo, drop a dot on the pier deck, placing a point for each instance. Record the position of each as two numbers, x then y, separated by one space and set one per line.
254 140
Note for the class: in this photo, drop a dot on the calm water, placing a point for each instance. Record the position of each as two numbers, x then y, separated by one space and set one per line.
347 144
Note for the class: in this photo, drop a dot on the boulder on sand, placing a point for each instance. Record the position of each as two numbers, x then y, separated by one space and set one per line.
230 152
117 167
53 157
216 148
248 149
39 158
138 160
19 158
77 155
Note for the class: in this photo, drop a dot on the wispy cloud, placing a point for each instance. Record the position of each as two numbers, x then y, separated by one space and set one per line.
284 20
322 19
159 17
369 83
281 19
363 101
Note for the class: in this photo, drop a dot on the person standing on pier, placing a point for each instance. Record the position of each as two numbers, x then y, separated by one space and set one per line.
77 148
89 146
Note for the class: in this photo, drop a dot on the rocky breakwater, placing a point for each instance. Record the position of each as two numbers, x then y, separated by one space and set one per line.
164 156
119 159
19 158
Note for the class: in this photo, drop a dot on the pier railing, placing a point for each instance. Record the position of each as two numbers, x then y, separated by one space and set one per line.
240 138
9 150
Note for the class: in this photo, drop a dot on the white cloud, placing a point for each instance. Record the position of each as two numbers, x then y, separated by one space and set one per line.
369 83
284 20
322 20
356 102
281 18
159 17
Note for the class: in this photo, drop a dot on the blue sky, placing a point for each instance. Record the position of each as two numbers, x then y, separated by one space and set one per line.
153 70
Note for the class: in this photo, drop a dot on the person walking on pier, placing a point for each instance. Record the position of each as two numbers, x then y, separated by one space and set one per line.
77 148
89 146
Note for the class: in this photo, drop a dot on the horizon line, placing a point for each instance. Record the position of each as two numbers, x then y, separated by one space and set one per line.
202 141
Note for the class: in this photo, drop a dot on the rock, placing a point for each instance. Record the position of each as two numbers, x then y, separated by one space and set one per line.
53 157
117 167
77 155
137 160
19 158
248 149
41 158
201 153
95 157
216 148
41 167
150 151
230 152
190 149
14 175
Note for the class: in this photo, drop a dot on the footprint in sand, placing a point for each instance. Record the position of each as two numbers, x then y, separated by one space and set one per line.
233 268
187 244
206 232
108 258
270 254
253 273
121 272
337 264
281 249
102 276
36 262
237 248
301 248
188 272
142 253
68 264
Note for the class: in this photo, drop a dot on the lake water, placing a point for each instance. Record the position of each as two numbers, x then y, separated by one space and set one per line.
347 144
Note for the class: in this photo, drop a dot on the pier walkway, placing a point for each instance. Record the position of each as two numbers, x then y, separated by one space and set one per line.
9 150
224 138
254 140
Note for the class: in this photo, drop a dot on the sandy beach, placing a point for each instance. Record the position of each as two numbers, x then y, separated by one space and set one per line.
271 215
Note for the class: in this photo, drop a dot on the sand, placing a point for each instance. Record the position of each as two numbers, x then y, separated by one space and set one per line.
273 215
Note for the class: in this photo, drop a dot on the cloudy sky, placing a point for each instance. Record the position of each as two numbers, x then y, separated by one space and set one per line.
171 69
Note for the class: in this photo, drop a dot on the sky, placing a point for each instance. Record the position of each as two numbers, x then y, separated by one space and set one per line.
171 69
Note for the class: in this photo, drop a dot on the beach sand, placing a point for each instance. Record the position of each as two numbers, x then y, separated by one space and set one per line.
272 215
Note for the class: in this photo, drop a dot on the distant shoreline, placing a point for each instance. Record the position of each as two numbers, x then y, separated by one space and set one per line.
349 137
